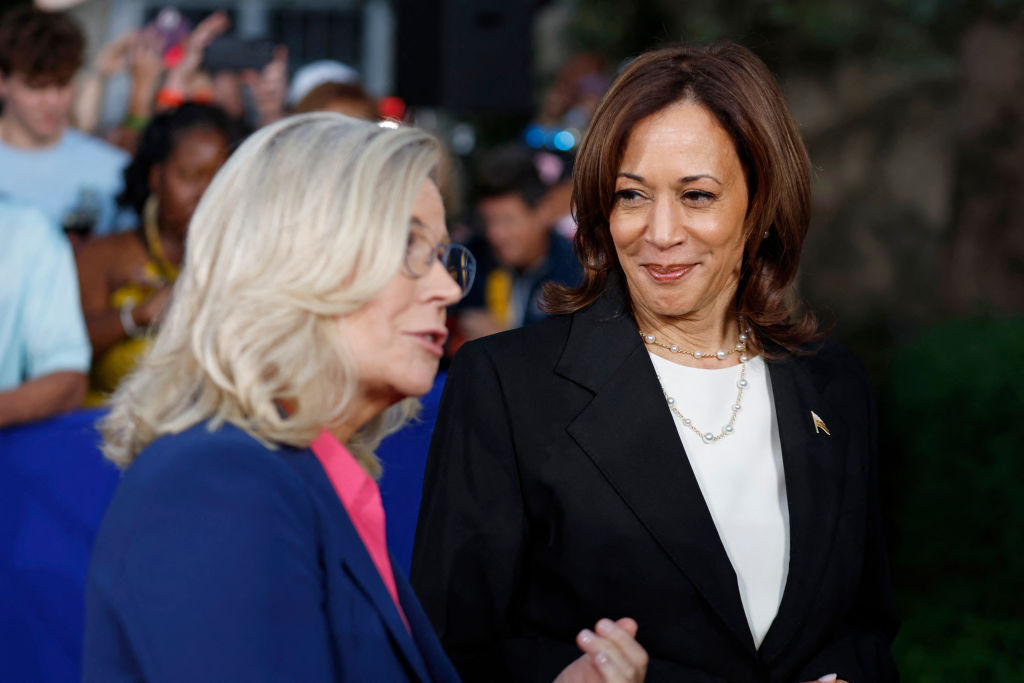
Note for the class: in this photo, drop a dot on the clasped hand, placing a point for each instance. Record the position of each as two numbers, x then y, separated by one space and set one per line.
611 654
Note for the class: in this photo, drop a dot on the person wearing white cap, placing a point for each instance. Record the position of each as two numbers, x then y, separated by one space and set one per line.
317 73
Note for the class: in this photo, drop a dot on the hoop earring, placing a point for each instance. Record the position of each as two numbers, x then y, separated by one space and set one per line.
150 210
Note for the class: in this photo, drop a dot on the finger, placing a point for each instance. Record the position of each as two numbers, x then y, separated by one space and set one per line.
625 641
628 625
117 45
128 43
277 67
128 38
148 40
213 22
606 655
598 651
210 27
609 669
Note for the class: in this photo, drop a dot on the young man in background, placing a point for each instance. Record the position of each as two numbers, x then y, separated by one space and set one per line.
522 251
70 176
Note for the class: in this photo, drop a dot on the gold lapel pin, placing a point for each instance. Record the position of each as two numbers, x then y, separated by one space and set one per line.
819 424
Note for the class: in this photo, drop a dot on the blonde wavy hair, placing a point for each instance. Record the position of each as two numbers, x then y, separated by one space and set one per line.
306 222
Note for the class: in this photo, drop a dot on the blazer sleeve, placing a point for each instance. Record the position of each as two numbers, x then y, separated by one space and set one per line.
209 571
468 556
861 649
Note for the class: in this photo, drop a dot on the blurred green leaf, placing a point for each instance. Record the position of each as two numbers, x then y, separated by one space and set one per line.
953 429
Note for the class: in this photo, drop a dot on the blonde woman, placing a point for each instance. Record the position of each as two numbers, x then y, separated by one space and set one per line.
246 539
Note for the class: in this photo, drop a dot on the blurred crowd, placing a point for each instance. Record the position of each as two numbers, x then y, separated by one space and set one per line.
93 220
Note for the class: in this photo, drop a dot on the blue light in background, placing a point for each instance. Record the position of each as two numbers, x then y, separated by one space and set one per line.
564 140
535 136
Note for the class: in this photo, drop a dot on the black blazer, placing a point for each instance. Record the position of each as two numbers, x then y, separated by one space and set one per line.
557 492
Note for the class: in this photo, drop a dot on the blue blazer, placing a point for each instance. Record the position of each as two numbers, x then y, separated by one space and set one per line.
222 560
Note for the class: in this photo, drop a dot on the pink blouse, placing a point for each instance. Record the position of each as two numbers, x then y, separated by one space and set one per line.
361 498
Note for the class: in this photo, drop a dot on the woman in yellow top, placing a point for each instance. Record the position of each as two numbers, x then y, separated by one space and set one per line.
125 279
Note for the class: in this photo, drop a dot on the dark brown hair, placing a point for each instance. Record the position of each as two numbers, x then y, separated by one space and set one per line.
40 46
739 90
510 169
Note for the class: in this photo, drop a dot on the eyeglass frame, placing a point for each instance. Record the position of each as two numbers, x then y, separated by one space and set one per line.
441 252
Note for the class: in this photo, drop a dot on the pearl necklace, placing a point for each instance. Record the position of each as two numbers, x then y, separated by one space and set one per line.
721 354
741 384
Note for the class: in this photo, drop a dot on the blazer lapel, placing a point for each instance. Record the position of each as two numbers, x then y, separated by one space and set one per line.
360 568
814 463
629 434
428 645
353 558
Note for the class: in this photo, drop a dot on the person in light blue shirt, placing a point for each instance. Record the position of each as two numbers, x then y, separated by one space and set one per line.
71 176
74 181
44 350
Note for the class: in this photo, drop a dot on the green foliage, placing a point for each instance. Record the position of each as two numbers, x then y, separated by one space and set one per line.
939 645
954 440
618 29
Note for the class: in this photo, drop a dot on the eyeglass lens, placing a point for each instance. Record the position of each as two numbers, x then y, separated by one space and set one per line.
460 264
456 259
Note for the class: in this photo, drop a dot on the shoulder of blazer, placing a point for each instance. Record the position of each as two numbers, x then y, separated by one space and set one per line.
180 462
544 343
200 447
539 339
178 476
828 364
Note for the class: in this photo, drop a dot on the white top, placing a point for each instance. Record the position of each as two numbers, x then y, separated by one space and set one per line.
741 476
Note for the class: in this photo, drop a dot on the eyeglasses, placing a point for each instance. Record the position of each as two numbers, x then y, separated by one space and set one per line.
460 263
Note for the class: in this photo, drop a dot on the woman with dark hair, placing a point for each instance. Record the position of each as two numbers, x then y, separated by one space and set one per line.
679 444
125 279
